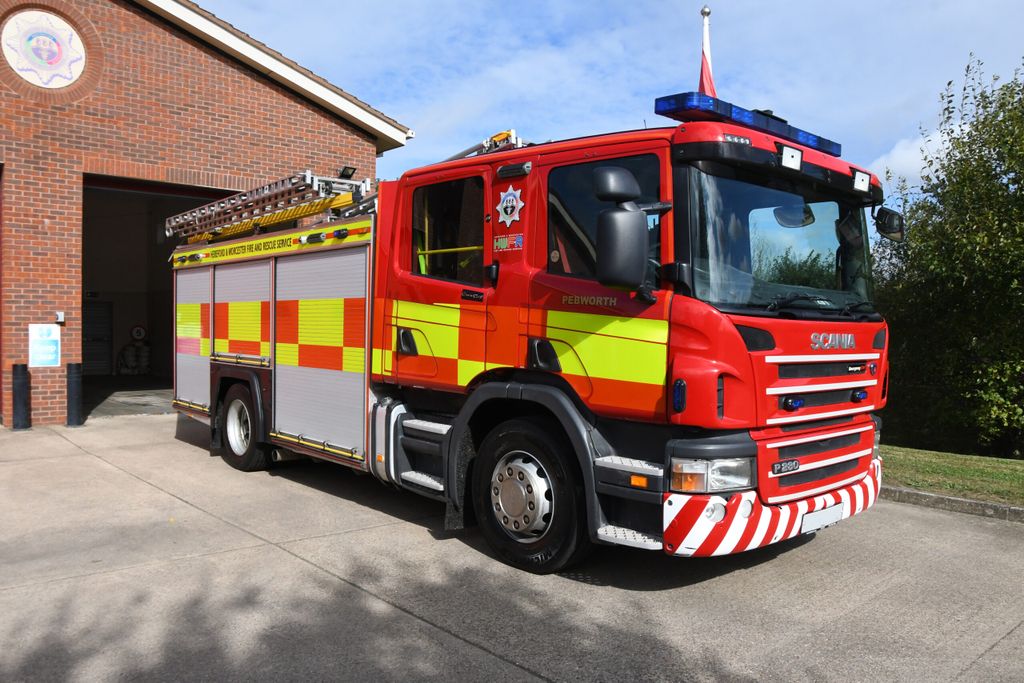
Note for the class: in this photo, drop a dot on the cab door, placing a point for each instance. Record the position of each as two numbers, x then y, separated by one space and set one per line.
439 290
611 345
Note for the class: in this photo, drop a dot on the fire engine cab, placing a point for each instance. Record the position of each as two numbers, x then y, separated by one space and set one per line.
659 338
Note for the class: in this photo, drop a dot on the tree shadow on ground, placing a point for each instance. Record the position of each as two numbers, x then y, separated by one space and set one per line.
263 615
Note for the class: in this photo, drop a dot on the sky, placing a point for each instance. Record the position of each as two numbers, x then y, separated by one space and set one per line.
867 74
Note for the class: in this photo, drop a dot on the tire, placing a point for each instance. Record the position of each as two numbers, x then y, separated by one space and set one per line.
535 519
237 421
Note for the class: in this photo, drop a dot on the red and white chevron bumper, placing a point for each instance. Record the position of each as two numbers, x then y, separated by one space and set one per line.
706 525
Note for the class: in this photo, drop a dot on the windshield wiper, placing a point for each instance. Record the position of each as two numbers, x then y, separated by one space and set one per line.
848 309
781 301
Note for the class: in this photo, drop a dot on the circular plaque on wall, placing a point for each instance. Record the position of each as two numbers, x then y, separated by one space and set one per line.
43 48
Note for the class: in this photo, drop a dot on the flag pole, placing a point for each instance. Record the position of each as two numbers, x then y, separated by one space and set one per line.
707 82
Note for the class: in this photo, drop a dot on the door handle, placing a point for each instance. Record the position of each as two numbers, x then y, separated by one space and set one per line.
406 342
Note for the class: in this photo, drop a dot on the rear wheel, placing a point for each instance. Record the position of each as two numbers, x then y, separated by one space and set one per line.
237 428
528 496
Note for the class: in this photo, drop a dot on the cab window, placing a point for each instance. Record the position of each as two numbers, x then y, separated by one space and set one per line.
573 211
448 230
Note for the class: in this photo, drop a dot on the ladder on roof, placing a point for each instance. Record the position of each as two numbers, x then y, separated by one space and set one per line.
506 139
297 196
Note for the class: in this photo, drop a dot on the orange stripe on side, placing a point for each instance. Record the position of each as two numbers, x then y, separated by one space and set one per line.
265 321
355 322
220 321
204 321
250 348
323 357
288 322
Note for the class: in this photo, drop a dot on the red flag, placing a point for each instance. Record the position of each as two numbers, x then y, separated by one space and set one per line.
707 83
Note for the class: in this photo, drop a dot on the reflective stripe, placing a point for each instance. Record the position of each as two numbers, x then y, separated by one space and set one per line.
321 322
187 320
616 358
640 329
431 313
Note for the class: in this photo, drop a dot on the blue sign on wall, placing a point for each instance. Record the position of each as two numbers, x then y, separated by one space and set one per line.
44 346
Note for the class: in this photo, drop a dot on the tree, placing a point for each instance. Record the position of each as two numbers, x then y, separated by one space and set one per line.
811 270
954 292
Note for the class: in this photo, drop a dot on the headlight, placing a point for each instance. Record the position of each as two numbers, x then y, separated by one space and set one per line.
706 476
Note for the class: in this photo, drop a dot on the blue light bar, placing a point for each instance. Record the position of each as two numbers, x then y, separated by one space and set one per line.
695 106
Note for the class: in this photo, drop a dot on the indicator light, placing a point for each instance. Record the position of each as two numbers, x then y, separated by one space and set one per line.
678 395
638 480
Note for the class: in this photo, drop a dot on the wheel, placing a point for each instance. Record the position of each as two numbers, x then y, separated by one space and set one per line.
237 419
528 496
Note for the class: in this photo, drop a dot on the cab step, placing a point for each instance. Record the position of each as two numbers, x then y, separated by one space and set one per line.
424 480
618 535
631 465
425 427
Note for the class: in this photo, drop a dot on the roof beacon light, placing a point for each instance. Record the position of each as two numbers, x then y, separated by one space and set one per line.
695 106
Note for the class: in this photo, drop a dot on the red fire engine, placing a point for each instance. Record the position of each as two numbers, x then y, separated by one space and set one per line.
658 338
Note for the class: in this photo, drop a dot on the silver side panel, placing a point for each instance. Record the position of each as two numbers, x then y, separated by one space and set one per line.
192 372
193 286
318 404
327 275
242 282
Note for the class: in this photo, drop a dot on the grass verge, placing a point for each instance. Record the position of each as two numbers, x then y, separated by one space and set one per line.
997 480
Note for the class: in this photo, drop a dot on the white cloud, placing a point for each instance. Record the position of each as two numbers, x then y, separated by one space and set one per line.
903 160
866 74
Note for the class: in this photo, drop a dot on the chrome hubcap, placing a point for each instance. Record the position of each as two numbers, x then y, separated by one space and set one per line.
237 427
522 496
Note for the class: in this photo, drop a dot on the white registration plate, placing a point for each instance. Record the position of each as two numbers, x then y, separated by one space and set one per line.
822 518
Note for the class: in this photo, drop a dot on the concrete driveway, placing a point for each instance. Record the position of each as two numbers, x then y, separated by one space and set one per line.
127 551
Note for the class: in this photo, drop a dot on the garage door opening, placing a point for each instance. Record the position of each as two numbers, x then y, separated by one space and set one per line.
127 326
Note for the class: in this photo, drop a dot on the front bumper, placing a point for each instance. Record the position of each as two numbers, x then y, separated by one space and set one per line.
690 529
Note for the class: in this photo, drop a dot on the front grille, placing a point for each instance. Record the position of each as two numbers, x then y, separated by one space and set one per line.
807 476
800 426
813 447
806 370
818 398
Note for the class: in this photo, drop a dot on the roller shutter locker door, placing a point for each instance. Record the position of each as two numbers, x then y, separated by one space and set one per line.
192 336
241 312
320 348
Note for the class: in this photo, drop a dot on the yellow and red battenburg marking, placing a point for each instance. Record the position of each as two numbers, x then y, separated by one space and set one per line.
329 334
192 329
242 327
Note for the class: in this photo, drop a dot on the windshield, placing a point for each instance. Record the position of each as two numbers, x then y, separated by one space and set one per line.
777 244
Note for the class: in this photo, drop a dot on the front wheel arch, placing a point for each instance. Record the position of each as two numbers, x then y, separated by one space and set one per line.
528 496
514 399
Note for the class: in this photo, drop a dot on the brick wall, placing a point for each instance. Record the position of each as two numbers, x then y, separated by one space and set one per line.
154 104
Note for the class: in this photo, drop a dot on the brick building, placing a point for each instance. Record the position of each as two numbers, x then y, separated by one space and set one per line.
113 115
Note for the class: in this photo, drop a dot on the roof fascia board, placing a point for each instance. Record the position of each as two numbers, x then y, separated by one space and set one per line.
388 135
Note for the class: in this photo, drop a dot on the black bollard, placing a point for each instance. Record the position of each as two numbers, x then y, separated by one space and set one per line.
75 395
20 394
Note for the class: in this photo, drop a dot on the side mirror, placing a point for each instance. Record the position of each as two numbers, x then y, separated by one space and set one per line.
615 184
889 224
622 248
